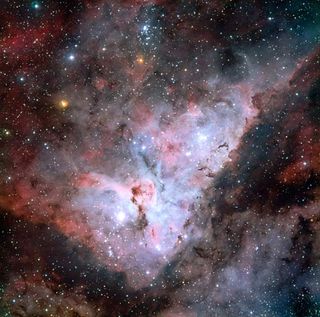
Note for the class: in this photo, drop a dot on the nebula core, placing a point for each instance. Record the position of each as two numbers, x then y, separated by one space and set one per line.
160 158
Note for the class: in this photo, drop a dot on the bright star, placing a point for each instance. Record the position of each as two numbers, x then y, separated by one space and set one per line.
35 5
121 216
63 104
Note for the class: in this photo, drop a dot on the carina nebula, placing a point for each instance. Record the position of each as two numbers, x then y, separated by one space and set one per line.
160 158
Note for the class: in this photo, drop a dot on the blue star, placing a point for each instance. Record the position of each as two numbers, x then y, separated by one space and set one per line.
35 5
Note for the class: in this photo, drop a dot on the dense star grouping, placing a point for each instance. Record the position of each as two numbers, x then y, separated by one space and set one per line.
160 158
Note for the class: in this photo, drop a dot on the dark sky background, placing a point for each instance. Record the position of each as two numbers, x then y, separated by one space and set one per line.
159 158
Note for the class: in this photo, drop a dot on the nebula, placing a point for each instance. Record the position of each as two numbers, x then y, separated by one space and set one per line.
160 158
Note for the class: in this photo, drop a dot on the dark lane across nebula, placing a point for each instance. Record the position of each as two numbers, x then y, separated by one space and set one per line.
159 158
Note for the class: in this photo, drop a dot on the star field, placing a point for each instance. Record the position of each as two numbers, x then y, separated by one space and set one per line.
160 158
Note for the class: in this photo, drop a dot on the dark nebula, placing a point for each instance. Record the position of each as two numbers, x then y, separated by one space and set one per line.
160 158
